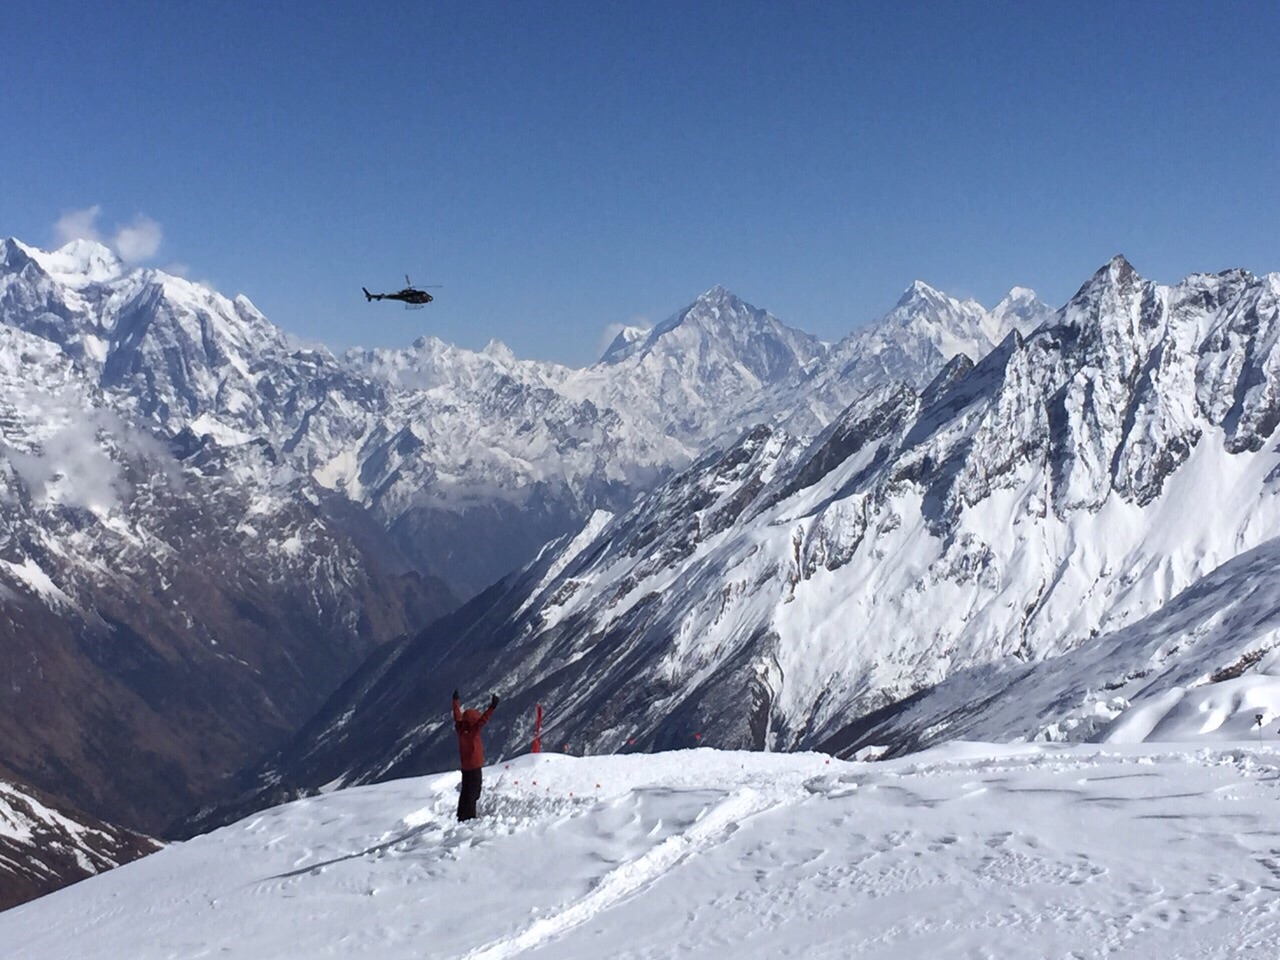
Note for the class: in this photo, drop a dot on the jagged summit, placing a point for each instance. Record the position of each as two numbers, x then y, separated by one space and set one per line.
918 291
1116 272
1019 309
80 263
622 343
1019 295
719 302
14 254
498 350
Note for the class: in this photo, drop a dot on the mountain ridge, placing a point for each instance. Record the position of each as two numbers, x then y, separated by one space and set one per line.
1010 511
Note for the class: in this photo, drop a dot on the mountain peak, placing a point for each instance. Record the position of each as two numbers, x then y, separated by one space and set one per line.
919 290
621 346
80 262
1116 273
717 304
14 254
717 295
1020 309
495 349
1117 270
81 247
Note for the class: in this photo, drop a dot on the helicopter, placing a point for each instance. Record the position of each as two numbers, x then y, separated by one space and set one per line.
414 298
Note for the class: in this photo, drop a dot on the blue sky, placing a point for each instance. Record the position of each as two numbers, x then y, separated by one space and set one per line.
561 167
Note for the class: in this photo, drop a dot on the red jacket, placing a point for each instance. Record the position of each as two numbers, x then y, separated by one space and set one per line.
468 724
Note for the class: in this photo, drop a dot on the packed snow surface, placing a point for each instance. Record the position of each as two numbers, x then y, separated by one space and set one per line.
968 850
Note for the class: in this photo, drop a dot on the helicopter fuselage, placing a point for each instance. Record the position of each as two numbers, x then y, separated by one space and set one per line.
407 295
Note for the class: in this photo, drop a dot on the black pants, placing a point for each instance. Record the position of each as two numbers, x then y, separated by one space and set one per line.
471 784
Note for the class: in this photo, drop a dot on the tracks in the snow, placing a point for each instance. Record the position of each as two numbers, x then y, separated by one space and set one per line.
715 826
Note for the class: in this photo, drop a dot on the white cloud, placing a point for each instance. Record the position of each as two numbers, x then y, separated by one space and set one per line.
72 468
78 225
139 240
177 270
132 242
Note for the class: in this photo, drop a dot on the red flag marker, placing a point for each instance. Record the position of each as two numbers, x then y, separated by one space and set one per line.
697 736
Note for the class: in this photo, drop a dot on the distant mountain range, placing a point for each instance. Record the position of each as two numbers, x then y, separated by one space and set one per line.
1021 546
206 528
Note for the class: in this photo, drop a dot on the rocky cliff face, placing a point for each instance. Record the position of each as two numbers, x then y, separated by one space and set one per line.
1069 484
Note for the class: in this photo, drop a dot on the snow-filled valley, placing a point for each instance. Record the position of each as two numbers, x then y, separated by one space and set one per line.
967 850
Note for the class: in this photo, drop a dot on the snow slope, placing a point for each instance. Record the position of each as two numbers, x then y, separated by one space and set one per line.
1203 665
966 851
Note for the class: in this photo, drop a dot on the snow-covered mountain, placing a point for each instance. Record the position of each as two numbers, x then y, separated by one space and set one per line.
507 454
206 528
1204 665
172 602
1070 483
169 606
43 848
448 446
